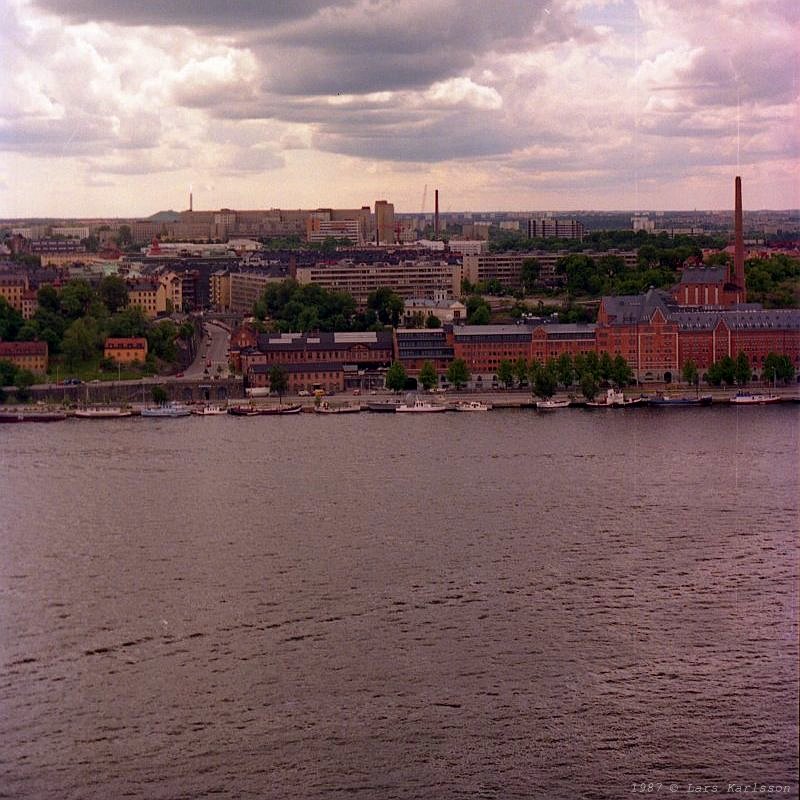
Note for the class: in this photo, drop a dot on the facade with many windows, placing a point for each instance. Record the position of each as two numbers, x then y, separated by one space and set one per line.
25 355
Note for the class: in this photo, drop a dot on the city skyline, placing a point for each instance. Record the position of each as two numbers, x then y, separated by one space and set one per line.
116 110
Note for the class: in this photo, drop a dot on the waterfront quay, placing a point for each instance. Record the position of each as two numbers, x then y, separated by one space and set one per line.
496 399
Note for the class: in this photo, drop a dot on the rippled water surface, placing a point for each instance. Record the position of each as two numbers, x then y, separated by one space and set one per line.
503 605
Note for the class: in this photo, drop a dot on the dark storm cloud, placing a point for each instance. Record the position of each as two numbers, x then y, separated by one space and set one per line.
375 47
188 13
461 134
353 46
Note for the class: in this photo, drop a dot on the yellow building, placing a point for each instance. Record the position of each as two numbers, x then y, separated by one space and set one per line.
220 290
126 350
145 295
25 355
13 288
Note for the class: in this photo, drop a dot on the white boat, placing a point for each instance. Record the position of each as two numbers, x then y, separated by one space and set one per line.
209 411
326 408
103 412
549 404
167 410
615 399
745 399
419 406
472 405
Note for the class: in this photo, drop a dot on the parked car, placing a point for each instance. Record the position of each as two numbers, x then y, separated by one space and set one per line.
178 374
304 393
72 381
356 391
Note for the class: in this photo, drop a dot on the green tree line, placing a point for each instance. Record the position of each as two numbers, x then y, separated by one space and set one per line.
76 321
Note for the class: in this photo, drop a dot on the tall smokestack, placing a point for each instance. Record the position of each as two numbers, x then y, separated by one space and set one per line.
738 247
436 214
190 201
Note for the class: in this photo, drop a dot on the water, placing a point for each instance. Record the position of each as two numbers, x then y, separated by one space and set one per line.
503 605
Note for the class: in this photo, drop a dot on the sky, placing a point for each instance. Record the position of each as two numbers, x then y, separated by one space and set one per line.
118 107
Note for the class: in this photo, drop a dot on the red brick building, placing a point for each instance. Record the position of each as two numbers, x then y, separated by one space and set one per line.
308 355
707 286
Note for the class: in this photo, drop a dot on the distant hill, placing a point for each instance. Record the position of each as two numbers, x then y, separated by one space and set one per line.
164 216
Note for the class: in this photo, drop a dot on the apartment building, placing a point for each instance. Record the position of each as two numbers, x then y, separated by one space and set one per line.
417 278
25 355
125 350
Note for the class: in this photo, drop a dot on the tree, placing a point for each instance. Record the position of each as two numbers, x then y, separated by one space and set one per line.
160 395
81 341
458 373
478 311
690 372
278 380
589 387
10 321
432 321
129 322
7 373
427 375
565 370
396 377
521 370
742 370
505 373
605 366
161 340
387 304
113 292
530 274
76 297
47 298
722 371
621 372
23 380
545 382
777 368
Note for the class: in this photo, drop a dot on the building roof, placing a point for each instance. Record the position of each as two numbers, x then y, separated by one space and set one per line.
627 309
142 286
341 340
569 330
23 349
739 319
126 341
424 302
704 275
482 331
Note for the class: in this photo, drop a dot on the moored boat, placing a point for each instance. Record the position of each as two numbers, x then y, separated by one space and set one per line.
747 399
243 411
32 416
103 412
615 399
383 406
168 410
664 401
472 405
326 408
420 406
211 410
267 411
550 404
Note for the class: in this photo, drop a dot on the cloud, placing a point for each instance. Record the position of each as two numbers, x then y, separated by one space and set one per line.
184 13
521 93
